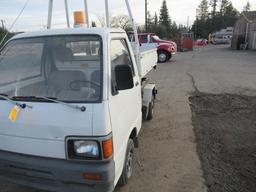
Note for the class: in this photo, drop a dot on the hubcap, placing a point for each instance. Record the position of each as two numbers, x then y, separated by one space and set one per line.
129 164
162 57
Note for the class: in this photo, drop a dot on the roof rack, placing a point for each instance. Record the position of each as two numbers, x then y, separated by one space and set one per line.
107 18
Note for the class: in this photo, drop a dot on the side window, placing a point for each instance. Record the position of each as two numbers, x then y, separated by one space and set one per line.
144 38
119 56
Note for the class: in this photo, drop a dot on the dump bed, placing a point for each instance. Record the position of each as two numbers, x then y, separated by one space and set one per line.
148 59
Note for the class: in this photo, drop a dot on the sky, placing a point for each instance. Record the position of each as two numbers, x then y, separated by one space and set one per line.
34 16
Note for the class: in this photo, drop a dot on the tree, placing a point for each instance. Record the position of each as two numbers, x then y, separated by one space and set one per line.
226 17
214 4
121 21
101 20
247 7
156 19
165 20
4 34
150 21
223 5
204 6
174 30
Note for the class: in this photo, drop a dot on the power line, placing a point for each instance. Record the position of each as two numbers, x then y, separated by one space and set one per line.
14 22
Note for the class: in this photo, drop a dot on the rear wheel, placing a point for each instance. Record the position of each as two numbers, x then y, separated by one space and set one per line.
151 110
162 56
128 164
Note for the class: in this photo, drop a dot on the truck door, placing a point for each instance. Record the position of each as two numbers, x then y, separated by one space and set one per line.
125 105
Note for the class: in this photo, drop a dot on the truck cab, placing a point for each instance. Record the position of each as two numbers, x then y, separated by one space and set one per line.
166 49
72 103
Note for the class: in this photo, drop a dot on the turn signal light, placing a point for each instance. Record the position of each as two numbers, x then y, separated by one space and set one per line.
107 148
92 176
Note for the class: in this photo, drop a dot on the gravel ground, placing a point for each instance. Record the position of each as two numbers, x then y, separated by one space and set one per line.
225 127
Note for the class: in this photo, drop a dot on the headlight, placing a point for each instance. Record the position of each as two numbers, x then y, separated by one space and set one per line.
89 149
86 149
83 149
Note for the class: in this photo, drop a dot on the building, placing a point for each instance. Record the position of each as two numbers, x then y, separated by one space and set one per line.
244 34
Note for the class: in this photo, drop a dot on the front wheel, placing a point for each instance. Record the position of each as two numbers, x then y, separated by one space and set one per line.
128 164
170 57
162 56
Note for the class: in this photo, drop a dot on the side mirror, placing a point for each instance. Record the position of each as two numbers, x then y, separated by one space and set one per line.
124 77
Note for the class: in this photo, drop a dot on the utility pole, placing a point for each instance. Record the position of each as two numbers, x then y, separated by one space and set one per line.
146 15
196 26
188 23
2 21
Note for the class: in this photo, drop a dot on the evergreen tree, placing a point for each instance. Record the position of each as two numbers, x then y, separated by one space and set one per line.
174 30
156 19
214 4
247 7
223 5
6 34
204 6
165 20
226 17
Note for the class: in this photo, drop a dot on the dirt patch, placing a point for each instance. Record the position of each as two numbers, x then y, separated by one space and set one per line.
225 128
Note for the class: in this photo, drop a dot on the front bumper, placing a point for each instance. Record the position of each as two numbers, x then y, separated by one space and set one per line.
55 174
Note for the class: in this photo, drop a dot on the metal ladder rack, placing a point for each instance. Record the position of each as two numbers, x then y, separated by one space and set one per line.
107 18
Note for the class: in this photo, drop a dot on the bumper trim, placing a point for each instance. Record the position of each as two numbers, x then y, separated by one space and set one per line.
55 174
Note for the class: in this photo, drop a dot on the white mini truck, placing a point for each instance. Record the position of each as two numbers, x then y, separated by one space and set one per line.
72 103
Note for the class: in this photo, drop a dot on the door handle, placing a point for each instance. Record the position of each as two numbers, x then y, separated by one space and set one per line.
137 83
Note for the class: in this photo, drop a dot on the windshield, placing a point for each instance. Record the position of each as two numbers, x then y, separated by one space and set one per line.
65 67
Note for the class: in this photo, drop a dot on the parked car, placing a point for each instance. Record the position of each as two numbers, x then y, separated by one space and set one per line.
221 40
165 49
201 42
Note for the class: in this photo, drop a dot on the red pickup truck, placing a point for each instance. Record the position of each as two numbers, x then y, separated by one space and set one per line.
166 49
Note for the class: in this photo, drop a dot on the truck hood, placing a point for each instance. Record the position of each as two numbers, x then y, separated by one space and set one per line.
167 43
42 130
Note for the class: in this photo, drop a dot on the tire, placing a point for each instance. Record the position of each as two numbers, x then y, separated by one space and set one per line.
169 57
151 110
144 113
128 164
162 56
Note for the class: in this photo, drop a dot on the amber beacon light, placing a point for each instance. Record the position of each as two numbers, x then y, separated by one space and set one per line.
79 19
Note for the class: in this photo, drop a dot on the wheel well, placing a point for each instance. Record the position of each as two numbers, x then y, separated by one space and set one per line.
161 50
134 137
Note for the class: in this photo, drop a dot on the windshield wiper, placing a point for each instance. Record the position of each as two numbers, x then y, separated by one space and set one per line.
52 99
20 105
82 109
